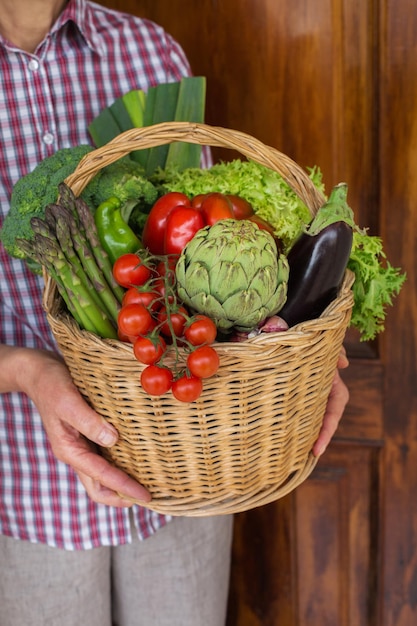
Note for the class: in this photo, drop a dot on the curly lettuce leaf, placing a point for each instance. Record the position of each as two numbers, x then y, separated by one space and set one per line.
376 283
270 196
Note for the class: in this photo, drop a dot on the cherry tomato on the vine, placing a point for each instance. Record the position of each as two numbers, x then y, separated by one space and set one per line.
149 350
156 380
150 299
122 337
203 362
177 319
154 230
202 330
129 270
187 388
159 284
134 319
167 266
215 207
182 225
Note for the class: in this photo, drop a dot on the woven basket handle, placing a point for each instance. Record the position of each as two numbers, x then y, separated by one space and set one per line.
169 132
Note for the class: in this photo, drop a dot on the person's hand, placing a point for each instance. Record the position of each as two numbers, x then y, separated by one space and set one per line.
73 429
336 403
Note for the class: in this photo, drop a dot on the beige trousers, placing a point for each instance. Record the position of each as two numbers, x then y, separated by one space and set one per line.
177 577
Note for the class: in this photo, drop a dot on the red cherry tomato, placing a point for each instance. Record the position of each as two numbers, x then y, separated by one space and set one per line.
187 388
122 337
215 207
182 225
177 318
203 362
150 299
154 229
156 380
167 266
201 331
133 320
160 286
129 270
242 209
148 350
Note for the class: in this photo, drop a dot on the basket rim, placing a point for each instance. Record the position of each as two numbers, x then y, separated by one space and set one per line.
330 316
204 134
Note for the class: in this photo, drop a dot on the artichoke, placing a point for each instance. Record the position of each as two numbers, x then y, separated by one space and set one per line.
233 273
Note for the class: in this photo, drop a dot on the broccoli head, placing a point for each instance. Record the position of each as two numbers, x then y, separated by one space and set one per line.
33 192
126 180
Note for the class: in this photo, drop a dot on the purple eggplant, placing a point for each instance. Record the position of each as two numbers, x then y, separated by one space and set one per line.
318 260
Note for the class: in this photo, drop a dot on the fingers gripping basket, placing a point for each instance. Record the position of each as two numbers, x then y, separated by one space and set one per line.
247 440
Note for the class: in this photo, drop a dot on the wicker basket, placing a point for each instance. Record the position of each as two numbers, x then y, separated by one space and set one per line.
247 440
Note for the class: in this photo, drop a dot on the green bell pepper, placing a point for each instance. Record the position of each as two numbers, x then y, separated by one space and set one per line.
116 236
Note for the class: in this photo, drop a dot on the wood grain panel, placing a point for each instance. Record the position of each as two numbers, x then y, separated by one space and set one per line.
263 573
398 141
337 513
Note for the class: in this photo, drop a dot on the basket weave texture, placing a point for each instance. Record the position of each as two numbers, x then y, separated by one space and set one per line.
247 440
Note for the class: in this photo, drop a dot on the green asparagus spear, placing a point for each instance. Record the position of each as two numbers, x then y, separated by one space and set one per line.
103 261
72 303
78 253
52 255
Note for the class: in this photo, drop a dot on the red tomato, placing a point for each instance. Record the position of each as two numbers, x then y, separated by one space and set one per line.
178 320
215 207
154 229
203 362
122 337
129 270
150 299
160 286
201 330
167 266
156 380
182 225
187 388
148 350
242 209
133 320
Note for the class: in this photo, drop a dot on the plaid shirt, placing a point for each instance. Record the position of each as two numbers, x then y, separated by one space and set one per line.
91 56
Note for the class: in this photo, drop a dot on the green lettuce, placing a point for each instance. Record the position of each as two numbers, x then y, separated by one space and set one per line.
376 284
270 196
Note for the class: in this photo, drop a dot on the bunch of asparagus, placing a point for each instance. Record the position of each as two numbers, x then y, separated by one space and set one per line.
66 244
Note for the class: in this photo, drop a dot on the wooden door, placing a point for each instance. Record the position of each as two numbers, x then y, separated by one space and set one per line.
332 83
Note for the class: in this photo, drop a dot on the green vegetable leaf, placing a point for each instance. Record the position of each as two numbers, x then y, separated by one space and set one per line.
376 283
335 209
270 196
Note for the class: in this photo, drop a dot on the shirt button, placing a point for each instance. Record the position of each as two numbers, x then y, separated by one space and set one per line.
33 65
48 138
